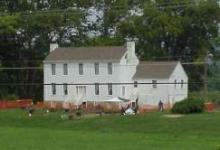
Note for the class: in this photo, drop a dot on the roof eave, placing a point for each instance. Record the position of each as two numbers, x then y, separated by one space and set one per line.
142 78
83 60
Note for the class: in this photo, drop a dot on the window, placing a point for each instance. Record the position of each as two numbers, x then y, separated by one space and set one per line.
109 68
65 89
53 69
96 89
96 68
135 84
80 69
123 91
77 90
182 84
154 84
65 69
53 86
110 89
175 83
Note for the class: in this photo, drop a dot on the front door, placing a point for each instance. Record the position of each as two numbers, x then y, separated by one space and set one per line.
81 91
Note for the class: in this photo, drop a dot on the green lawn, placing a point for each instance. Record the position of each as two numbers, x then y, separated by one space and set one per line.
150 131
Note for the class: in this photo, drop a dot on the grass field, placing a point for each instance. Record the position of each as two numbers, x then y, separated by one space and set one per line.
151 131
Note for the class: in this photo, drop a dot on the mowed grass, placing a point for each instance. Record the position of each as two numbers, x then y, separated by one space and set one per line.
151 131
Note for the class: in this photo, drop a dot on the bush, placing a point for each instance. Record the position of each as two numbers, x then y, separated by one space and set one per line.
210 96
11 97
188 106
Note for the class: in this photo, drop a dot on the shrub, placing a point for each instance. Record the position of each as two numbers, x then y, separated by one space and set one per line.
11 97
210 96
188 106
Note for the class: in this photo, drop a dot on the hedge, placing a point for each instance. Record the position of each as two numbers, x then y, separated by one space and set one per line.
188 106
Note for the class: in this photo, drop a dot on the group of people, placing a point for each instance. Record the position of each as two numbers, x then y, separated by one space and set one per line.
135 109
128 110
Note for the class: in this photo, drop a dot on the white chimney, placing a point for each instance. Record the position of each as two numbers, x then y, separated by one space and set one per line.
53 46
131 49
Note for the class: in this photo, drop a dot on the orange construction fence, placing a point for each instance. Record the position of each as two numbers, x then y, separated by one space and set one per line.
16 104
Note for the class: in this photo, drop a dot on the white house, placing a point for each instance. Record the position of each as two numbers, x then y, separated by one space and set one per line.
101 73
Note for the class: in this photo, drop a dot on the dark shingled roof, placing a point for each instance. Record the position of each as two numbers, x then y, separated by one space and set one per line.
155 70
87 53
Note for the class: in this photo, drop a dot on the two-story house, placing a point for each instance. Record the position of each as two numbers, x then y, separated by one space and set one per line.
88 73
101 73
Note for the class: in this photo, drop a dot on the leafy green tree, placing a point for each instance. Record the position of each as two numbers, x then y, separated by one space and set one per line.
26 30
174 28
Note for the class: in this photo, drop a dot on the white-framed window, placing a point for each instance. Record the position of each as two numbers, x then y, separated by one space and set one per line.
80 69
175 83
182 84
53 88
110 89
96 89
65 89
123 90
135 84
154 84
53 69
96 68
65 69
109 68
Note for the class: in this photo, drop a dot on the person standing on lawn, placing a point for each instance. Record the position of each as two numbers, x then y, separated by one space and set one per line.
160 105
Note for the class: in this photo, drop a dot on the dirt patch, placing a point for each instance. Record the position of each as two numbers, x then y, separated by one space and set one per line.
173 116
90 115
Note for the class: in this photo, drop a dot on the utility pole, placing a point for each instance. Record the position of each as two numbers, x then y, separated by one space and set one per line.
208 61
205 78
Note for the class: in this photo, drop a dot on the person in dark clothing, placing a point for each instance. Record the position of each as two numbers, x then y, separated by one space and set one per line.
122 110
66 110
160 105
136 107
30 111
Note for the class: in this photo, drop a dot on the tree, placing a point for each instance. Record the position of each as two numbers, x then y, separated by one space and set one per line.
8 47
27 28
174 30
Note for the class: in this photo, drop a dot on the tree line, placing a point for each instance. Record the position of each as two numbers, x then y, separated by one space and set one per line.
162 29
